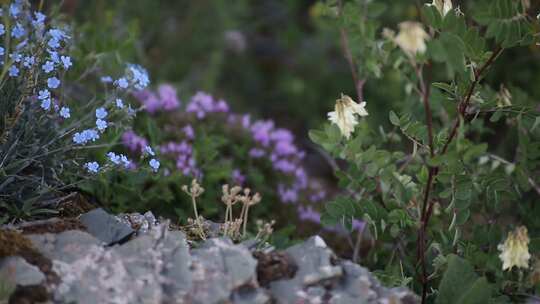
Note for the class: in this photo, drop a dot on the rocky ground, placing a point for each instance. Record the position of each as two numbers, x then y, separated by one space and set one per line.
100 258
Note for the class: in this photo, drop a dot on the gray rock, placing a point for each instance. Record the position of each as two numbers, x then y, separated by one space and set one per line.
67 246
219 267
142 223
19 272
105 227
251 296
158 267
313 259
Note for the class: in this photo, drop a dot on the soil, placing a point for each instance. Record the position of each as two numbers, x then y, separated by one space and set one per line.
57 226
29 294
14 243
274 266
75 206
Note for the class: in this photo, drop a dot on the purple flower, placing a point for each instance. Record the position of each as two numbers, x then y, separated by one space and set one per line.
317 196
260 131
308 214
169 99
246 121
202 103
238 177
222 106
256 153
189 132
282 135
287 195
133 142
150 101
358 225
284 166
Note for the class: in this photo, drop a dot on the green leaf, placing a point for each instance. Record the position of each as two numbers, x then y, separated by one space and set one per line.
461 285
433 16
496 116
317 136
455 48
444 86
394 119
536 124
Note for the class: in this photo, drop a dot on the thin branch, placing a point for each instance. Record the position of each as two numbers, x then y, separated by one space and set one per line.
462 106
425 91
358 83
427 206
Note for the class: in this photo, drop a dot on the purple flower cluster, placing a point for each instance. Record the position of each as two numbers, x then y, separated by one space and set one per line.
134 142
202 103
182 152
165 99
275 145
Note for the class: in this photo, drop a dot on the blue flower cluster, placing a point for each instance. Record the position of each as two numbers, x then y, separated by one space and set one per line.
33 48
38 52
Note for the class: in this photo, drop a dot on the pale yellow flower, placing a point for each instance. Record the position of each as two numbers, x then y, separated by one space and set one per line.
515 249
344 114
443 6
412 38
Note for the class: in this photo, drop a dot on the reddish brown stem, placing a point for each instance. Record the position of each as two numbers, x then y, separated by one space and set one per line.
427 207
462 106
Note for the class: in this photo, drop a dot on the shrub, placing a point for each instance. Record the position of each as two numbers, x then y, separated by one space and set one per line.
46 133
203 139
434 190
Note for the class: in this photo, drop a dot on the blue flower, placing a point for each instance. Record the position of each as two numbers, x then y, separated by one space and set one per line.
148 149
140 76
85 136
54 56
29 61
2 29
106 79
13 71
114 158
2 51
53 82
119 103
122 83
125 160
15 9
53 43
79 138
101 124
46 104
154 163
65 113
57 34
39 20
66 60
101 113
92 167
16 57
48 66
44 94
18 31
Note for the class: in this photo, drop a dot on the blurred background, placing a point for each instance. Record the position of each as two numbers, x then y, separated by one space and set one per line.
275 59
